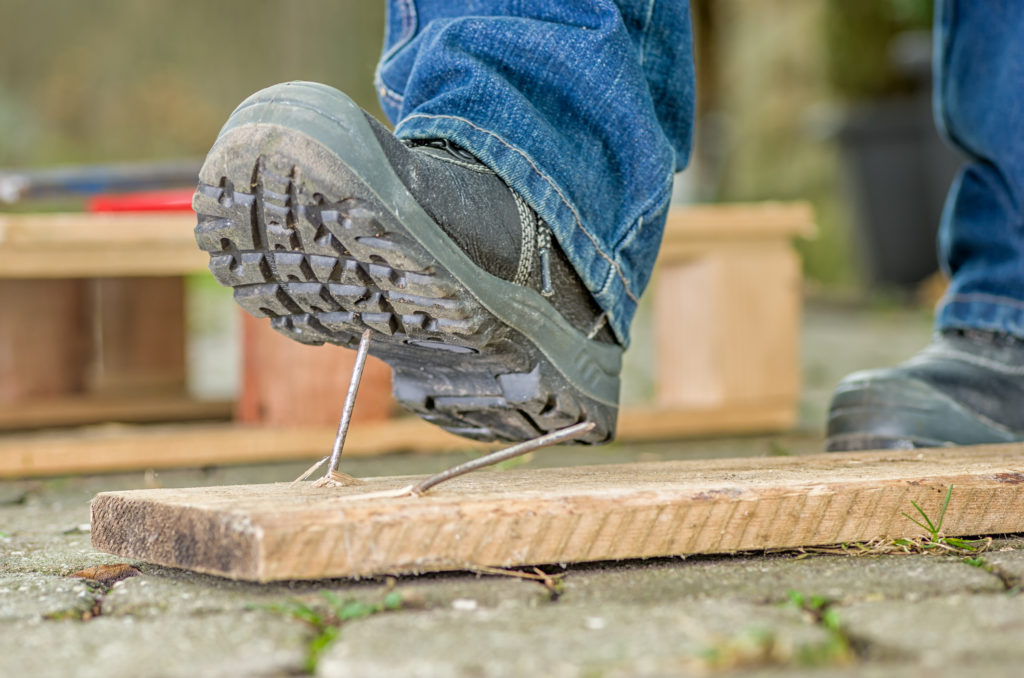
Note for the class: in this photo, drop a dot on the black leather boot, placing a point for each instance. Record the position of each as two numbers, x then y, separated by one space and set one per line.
327 224
965 388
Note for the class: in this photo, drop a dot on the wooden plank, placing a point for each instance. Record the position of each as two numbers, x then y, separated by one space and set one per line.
126 448
288 384
740 221
43 339
90 245
739 311
76 410
98 245
561 515
138 336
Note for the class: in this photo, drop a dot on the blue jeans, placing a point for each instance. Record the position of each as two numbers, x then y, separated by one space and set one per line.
584 107
979 106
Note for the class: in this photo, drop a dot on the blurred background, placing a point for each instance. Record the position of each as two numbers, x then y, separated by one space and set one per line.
819 100
797 99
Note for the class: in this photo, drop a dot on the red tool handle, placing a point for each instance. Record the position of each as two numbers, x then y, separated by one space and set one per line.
172 200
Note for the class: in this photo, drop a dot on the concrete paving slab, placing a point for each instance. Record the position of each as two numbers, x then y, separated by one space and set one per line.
165 591
769 579
56 554
33 597
574 641
1006 564
246 644
939 631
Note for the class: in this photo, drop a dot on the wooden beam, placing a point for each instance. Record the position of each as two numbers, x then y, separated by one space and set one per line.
158 244
98 245
43 339
288 384
740 221
127 448
138 337
562 515
81 409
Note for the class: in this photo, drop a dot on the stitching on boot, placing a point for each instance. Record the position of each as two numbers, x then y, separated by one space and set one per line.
544 251
528 236
482 169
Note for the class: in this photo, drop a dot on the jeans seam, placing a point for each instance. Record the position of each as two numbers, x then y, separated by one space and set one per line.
548 180
409 24
652 203
387 92
645 30
986 299
410 20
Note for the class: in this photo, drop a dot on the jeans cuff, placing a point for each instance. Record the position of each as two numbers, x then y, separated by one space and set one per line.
987 312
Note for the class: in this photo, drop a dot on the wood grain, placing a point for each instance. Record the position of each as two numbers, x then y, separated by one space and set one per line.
98 245
562 515
43 339
288 384
743 222
81 409
727 328
138 337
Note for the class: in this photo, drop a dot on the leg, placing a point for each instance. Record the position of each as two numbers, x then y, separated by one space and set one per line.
584 108
327 223
980 108
967 387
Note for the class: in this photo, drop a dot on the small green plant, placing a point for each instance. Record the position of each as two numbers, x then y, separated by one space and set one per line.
327 625
836 649
977 561
935 539
4 535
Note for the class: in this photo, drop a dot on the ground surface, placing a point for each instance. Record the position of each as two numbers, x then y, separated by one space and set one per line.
752 614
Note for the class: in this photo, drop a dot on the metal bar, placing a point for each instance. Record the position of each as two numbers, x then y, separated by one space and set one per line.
519 449
350 403
59 181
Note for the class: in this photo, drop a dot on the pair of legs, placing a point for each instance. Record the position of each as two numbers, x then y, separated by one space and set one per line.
499 249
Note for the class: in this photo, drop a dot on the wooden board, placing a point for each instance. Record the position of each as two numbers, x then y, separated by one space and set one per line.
43 338
126 448
717 225
138 336
98 245
737 339
288 384
77 410
563 515
158 244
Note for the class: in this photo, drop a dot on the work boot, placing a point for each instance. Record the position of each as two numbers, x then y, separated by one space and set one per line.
965 388
327 224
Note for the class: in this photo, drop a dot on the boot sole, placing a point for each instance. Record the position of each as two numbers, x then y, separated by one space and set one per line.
303 217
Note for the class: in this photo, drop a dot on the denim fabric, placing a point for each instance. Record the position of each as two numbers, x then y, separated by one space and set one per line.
584 107
979 106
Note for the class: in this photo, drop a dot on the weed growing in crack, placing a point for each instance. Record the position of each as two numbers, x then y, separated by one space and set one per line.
747 649
327 624
837 648
933 542
935 539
